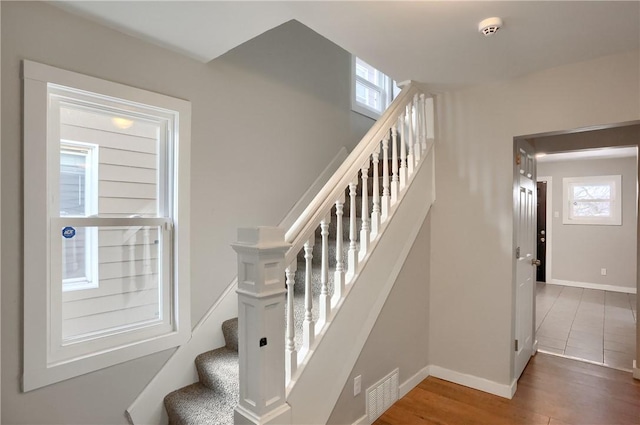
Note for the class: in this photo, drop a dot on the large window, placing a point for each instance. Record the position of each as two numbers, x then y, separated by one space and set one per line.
592 200
106 258
372 91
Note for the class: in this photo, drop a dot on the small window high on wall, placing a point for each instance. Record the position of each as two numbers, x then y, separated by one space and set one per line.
106 223
595 200
371 90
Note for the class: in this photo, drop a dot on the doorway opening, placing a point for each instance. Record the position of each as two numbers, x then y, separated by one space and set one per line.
585 304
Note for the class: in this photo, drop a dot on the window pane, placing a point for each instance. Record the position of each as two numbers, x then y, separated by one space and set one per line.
128 294
591 209
599 191
128 150
369 73
368 96
75 258
72 184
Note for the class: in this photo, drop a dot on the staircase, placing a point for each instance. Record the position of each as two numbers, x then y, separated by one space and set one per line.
212 399
359 228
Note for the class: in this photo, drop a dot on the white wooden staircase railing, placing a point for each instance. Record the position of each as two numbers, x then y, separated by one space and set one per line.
272 353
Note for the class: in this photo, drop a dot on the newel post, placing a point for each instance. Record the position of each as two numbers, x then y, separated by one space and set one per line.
261 303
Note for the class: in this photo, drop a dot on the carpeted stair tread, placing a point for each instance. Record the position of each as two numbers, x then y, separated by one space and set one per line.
230 332
218 370
198 405
212 400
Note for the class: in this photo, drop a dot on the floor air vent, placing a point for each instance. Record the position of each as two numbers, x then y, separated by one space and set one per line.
381 395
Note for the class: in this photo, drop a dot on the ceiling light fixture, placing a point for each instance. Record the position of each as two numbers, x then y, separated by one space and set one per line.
490 26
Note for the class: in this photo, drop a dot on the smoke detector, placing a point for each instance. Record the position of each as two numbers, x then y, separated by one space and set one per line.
490 26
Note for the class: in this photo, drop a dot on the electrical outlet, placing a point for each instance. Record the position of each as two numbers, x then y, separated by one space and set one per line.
357 385
603 272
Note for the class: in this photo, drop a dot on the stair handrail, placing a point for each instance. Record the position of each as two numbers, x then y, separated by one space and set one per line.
333 190
268 257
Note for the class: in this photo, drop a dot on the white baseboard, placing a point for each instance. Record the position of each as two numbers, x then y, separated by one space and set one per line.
413 382
636 370
587 285
471 381
363 420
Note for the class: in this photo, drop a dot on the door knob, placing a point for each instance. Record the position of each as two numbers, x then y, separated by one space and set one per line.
535 262
541 239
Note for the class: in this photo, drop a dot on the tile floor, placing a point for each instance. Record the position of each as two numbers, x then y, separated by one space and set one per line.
589 324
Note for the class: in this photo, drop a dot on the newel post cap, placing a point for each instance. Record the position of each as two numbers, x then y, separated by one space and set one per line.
261 237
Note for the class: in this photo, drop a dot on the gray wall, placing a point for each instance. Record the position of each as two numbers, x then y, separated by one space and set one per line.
399 338
580 251
267 118
472 294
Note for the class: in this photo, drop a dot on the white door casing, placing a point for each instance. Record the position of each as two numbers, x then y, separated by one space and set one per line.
525 254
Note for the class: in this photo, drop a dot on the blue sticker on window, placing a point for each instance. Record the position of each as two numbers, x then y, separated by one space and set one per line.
68 232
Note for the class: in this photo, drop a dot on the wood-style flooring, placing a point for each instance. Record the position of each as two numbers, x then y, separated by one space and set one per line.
551 391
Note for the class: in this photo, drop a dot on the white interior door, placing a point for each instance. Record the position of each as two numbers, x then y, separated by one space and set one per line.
525 255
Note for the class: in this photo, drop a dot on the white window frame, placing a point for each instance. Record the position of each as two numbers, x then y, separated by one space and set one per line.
46 359
614 181
91 153
386 90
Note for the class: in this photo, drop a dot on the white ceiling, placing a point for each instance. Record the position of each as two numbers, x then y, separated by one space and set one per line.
434 42
589 154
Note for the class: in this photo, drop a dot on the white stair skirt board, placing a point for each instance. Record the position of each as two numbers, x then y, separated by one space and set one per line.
636 370
179 371
343 341
586 285
475 382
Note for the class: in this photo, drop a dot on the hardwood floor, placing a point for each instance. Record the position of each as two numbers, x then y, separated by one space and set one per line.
551 391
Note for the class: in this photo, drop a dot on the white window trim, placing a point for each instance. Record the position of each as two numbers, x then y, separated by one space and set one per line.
38 368
616 200
361 108
91 188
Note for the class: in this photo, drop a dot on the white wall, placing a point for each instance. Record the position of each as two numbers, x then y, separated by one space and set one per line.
580 251
472 295
267 118
399 338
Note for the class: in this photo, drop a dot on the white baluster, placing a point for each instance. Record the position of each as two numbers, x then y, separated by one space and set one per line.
423 105
411 159
403 153
385 179
352 255
366 227
291 354
338 281
395 179
417 147
375 212
308 325
325 299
